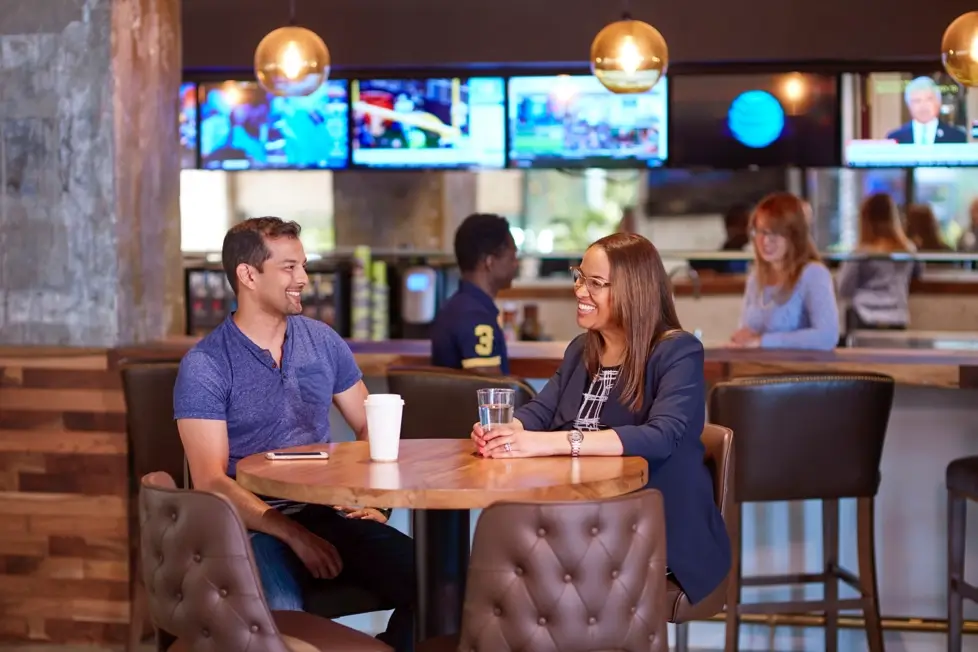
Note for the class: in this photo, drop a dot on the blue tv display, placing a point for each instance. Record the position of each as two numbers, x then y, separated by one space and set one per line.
429 123
574 121
747 120
188 125
243 127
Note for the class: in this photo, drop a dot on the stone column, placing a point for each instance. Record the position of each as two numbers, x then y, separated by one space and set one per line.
89 172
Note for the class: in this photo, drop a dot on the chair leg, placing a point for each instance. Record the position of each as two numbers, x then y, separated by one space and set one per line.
866 544
733 586
138 615
956 526
682 637
830 562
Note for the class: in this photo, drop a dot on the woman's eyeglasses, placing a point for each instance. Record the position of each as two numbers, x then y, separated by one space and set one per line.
593 284
758 233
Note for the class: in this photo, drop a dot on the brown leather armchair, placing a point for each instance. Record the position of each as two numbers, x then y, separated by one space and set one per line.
203 586
447 393
566 577
154 445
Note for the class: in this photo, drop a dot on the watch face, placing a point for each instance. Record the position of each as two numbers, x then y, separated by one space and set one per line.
576 436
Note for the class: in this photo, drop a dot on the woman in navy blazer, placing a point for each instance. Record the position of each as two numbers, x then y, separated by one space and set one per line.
631 385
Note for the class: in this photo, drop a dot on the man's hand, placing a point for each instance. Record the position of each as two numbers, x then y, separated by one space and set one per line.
365 513
317 554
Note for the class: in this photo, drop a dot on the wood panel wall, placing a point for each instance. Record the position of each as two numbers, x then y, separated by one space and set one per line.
63 486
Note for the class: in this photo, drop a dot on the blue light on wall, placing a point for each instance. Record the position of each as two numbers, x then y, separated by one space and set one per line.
755 118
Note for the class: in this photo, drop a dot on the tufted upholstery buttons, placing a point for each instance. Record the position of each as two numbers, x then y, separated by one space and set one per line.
223 593
634 527
197 557
173 516
206 633
254 629
575 570
178 596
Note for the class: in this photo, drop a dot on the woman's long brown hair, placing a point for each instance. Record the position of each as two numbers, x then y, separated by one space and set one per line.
879 226
788 215
641 305
923 229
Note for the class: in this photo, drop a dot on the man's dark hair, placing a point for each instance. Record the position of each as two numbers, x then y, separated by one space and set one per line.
479 236
737 217
245 243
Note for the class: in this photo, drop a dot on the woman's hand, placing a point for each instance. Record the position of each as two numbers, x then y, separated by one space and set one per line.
512 441
745 338
363 513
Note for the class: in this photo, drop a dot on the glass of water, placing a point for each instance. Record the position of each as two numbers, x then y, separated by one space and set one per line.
495 407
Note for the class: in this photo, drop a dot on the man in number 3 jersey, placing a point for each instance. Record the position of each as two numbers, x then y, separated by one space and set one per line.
466 333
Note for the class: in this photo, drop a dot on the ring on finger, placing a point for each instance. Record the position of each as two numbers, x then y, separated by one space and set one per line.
508 447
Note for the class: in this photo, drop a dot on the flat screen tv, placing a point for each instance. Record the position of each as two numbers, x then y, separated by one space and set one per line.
914 120
754 120
188 125
572 121
243 127
429 123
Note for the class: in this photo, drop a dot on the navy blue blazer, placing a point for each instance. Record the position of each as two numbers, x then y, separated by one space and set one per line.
666 432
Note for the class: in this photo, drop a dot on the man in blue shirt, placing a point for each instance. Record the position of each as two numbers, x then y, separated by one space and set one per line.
466 333
265 379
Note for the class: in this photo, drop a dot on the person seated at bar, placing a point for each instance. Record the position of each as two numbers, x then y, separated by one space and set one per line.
631 385
878 289
466 332
789 301
265 379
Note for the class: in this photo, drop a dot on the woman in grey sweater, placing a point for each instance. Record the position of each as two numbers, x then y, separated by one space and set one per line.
877 287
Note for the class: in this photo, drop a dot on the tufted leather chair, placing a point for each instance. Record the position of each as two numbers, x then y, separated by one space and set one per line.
448 393
718 442
203 586
154 445
566 577
808 437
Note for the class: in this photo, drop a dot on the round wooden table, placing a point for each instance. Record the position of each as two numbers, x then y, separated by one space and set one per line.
441 480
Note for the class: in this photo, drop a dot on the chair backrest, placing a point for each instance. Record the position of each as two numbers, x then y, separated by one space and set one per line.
154 441
569 577
441 403
199 572
718 442
805 436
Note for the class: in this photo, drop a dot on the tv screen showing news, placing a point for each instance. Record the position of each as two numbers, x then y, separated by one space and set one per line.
573 121
748 120
188 125
429 123
914 121
243 127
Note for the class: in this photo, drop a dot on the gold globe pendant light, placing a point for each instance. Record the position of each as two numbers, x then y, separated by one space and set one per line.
959 49
629 56
292 61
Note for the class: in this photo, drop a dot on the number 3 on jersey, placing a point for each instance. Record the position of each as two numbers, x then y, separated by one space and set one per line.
485 336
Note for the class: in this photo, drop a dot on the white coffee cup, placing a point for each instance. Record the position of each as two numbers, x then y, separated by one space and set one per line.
384 425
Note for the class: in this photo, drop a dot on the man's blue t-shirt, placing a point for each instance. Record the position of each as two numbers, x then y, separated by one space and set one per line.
466 332
227 377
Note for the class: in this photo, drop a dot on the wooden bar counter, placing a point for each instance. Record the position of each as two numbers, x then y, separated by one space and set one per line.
63 464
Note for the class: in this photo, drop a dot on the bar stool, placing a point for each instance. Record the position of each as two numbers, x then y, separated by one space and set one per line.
962 486
808 437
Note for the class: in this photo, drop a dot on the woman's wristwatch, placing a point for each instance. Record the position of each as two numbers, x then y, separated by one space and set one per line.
386 511
575 438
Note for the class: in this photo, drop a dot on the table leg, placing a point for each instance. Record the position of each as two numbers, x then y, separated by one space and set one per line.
441 540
